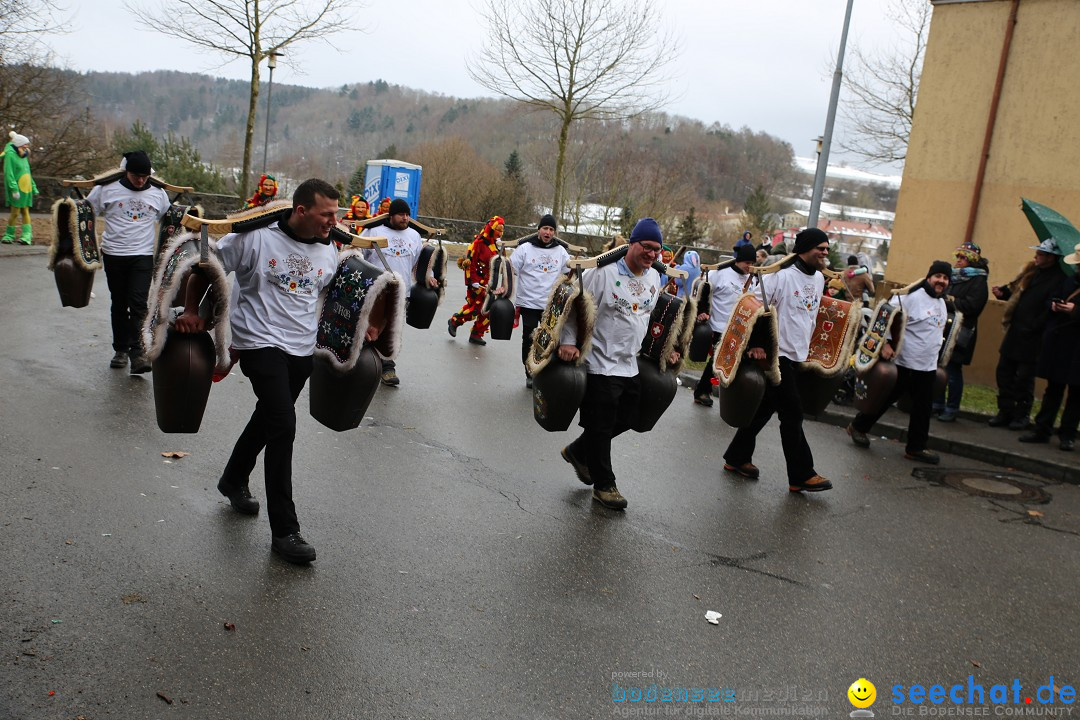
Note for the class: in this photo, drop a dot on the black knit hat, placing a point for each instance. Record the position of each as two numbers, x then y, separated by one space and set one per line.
939 266
137 162
809 239
547 221
745 253
397 206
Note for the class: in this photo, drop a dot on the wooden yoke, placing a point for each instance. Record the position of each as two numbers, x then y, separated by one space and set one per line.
425 230
511 244
586 263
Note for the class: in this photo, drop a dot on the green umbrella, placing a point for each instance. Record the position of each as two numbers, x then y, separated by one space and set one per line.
1050 224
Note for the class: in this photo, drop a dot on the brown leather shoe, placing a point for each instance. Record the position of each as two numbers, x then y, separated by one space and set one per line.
814 484
747 470
609 498
859 438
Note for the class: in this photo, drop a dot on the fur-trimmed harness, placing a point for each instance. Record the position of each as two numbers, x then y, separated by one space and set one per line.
179 257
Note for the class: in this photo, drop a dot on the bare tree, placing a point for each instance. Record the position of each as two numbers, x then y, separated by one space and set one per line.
882 86
252 29
581 60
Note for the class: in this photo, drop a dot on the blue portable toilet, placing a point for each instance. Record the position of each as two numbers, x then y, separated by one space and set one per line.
392 179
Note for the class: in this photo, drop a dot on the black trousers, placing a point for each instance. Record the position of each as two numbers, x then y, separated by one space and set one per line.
609 409
129 285
530 318
277 379
782 399
1016 386
1051 403
920 384
704 386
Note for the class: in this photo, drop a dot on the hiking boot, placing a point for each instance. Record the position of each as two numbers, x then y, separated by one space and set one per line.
859 438
609 498
294 548
451 327
580 468
476 340
240 498
814 484
923 456
389 377
747 470
705 400
119 360
1034 437
140 364
1000 420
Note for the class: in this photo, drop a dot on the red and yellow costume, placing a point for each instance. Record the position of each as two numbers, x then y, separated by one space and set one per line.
384 206
477 267
358 210
266 192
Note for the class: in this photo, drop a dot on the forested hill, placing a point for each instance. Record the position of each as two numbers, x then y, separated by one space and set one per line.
657 160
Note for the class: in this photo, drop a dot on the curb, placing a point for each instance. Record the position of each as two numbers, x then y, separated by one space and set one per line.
1051 469
1065 470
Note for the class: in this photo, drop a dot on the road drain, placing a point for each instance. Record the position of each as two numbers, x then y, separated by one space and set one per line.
982 483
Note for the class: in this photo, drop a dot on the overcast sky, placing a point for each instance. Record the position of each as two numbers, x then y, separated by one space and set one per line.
764 64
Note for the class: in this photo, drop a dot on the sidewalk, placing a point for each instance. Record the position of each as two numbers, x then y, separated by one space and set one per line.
18 249
968 437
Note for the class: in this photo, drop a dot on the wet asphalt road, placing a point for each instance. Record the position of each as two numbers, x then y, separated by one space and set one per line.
463 571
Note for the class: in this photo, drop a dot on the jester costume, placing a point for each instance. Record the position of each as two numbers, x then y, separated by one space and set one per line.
477 267
265 193
358 210
384 206
19 187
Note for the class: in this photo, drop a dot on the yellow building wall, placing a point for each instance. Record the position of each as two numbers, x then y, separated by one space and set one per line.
1034 151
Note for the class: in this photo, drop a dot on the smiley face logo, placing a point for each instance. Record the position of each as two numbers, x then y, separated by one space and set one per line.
862 693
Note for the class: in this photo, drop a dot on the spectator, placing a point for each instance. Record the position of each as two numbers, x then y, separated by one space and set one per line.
1059 364
1028 309
968 294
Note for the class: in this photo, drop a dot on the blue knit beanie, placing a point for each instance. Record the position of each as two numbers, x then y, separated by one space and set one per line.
647 229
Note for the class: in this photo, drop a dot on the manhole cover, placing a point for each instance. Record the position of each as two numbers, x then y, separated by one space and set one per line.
982 483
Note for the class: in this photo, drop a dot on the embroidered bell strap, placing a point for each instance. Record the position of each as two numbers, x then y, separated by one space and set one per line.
736 337
834 320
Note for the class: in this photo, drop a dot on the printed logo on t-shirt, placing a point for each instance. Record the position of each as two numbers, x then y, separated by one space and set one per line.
808 298
632 304
135 209
547 263
295 277
397 246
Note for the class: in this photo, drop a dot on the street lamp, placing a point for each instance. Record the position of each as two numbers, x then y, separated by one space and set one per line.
272 62
826 140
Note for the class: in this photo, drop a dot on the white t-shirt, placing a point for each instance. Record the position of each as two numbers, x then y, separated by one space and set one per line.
402 250
130 217
924 331
537 271
796 297
624 302
726 287
279 280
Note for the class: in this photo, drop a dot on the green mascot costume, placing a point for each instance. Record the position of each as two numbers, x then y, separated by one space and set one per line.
19 187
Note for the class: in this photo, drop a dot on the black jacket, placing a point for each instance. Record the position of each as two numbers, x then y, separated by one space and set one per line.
1030 313
969 297
1059 360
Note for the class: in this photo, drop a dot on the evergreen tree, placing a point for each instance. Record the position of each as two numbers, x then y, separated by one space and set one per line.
688 231
174 159
756 211
356 181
